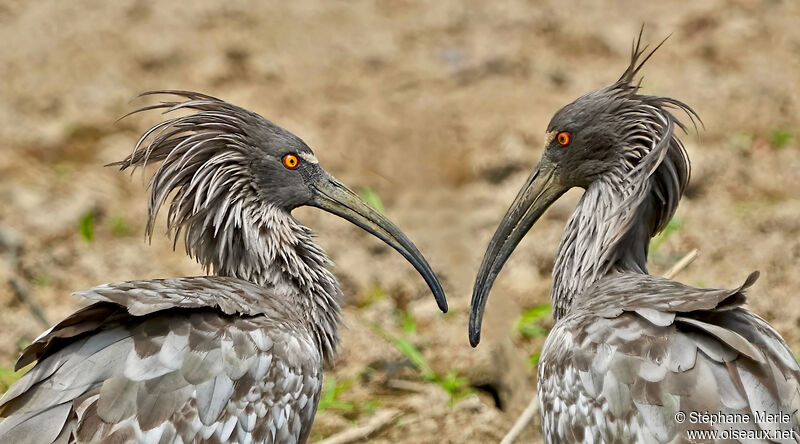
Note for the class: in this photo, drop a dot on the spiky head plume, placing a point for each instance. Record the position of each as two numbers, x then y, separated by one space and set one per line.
214 164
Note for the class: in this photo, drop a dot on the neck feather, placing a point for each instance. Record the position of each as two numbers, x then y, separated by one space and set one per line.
621 210
597 241
270 248
610 230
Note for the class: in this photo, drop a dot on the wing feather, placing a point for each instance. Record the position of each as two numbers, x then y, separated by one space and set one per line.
187 371
37 426
657 347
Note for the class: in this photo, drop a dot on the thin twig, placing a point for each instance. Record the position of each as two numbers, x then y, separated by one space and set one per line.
379 420
681 264
24 295
527 415
408 386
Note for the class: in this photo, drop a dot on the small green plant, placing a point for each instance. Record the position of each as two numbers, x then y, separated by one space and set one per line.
8 376
456 386
42 280
529 322
371 197
372 295
780 138
332 389
86 226
412 353
407 322
673 226
119 227
329 398
741 140
529 325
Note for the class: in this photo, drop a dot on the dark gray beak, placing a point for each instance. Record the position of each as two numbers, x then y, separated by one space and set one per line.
541 190
333 197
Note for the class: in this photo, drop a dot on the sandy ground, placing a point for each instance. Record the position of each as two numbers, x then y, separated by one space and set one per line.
440 108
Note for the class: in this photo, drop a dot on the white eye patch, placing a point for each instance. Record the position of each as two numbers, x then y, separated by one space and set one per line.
549 136
308 157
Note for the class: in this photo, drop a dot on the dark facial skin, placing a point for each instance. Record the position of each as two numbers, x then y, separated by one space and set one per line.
285 187
279 185
593 131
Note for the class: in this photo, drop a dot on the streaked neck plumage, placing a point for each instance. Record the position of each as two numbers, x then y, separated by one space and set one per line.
622 209
279 253
599 239
230 233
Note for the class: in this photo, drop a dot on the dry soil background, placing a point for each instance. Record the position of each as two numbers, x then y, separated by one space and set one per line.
438 107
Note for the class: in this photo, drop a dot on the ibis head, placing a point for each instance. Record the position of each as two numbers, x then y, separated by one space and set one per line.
225 166
612 135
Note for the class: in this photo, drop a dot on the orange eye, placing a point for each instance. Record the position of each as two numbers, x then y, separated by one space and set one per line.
563 138
290 161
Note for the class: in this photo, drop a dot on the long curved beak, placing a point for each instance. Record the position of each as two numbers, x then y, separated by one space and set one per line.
333 197
539 192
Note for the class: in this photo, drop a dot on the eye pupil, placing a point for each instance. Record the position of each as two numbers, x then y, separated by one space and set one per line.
290 161
563 138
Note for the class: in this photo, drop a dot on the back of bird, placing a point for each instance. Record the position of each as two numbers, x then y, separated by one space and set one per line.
645 359
169 373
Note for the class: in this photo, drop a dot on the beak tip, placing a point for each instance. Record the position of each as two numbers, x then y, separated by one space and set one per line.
475 318
474 337
441 300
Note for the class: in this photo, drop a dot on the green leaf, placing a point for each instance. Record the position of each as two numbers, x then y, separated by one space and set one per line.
673 226
452 382
371 197
41 280
86 226
374 294
119 227
407 322
8 376
536 313
532 330
332 389
410 351
534 358
781 137
527 322
457 386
